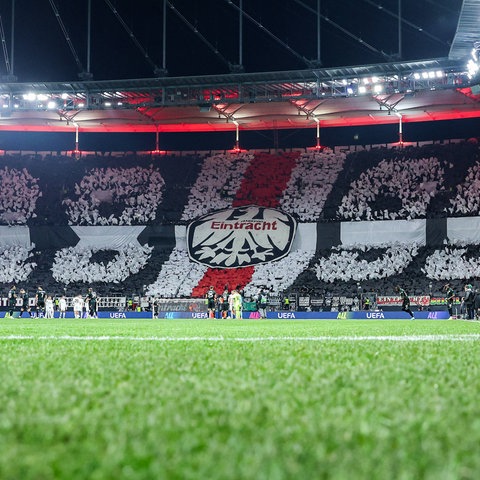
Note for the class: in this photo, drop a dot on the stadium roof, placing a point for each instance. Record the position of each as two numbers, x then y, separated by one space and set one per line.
369 94
359 95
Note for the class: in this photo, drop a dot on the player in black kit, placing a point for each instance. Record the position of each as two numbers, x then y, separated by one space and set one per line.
92 303
211 297
40 301
25 306
449 297
12 300
405 301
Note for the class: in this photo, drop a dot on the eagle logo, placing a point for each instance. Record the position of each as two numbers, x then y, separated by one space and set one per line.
240 237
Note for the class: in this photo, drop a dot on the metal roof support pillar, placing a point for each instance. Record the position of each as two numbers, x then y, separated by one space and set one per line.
164 37
77 149
400 127
12 46
237 136
89 33
319 55
399 29
317 121
240 34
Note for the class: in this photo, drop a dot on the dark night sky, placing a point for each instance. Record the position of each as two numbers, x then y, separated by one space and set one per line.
42 54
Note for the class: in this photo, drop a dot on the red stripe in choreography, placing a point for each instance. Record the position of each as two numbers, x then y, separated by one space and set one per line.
263 184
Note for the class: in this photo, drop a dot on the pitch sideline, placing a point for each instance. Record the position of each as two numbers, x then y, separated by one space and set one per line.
324 338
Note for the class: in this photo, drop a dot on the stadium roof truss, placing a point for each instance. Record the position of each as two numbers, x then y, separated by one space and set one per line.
358 95
422 90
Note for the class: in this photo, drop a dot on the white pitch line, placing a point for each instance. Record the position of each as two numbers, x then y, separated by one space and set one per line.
324 338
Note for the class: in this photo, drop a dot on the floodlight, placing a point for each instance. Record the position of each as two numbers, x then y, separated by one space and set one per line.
51 105
31 97
416 76
378 88
362 89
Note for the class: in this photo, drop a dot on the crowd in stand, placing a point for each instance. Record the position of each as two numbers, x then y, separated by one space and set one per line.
453 262
177 277
74 264
19 193
311 183
467 200
215 188
15 263
380 184
135 191
344 264
410 182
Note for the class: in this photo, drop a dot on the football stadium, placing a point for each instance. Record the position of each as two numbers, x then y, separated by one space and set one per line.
239 239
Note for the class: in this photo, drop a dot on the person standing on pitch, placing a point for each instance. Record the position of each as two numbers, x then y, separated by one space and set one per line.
237 304
93 304
77 306
405 301
25 306
40 301
211 297
12 300
49 307
262 304
62 307
449 297
469 301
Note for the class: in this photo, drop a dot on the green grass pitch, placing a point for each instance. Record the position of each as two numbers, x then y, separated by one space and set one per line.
257 400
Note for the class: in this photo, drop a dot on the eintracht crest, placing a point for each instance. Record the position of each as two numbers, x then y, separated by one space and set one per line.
240 237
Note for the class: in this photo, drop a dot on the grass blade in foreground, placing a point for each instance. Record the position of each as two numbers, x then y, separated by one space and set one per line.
220 400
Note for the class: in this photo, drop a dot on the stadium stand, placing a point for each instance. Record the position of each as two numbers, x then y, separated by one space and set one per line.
62 219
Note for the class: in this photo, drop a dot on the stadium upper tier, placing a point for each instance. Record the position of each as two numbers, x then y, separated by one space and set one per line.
359 95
